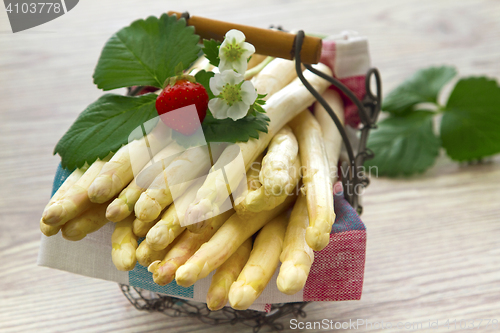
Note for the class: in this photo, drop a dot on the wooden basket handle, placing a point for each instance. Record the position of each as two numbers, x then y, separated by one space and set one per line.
268 42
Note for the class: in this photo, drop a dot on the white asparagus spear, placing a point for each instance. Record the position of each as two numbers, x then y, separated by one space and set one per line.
260 266
209 200
316 179
146 255
124 245
226 274
297 257
184 247
252 184
75 201
191 164
123 206
49 230
275 175
259 200
142 228
224 243
331 135
119 172
89 221
169 226
274 76
281 108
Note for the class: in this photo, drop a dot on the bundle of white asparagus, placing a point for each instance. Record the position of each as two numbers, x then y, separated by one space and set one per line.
284 213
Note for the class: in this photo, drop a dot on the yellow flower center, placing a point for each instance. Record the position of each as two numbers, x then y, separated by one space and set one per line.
231 93
233 51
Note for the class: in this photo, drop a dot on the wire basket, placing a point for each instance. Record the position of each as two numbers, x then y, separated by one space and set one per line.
369 109
174 307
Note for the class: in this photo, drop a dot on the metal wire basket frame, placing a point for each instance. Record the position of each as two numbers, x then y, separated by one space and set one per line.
369 109
174 307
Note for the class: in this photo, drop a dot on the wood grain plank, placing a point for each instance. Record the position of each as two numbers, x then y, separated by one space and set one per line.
432 240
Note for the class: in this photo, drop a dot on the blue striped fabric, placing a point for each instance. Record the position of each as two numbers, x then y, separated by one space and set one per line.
59 178
347 219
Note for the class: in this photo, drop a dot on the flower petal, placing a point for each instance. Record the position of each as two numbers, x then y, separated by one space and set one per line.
224 65
249 50
241 65
216 82
234 36
235 39
231 77
248 93
218 107
237 110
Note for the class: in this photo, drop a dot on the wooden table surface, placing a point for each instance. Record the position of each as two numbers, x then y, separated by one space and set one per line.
433 240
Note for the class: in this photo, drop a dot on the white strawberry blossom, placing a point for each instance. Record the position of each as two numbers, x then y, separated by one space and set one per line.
234 95
234 52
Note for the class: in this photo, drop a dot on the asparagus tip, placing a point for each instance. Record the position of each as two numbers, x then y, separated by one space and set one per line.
117 211
216 298
187 274
316 239
241 296
53 214
100 189
291 278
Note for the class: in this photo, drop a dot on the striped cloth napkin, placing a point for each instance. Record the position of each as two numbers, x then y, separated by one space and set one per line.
347 56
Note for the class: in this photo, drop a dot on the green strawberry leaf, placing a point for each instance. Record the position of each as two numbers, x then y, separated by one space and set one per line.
103 127
203 77
226 130
257 105
422 87
470 128
211 50
146 53
404 145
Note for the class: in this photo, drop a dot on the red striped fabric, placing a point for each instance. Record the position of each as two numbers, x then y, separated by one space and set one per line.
338 270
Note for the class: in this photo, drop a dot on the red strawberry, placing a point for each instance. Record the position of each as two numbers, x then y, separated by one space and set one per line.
178 94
